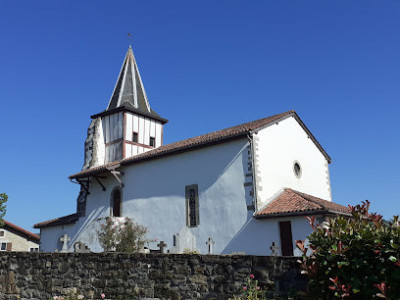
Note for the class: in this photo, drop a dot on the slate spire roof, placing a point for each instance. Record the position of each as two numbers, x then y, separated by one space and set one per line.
129 92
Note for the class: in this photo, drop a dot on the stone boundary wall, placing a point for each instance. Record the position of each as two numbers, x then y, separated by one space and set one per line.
25 275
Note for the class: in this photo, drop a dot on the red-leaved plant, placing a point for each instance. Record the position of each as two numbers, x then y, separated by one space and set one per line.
354 257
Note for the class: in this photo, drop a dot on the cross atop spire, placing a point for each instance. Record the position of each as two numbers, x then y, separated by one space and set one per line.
129 91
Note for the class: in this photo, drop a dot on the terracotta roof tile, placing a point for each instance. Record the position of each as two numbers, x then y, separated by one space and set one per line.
58 221
25 232
293 202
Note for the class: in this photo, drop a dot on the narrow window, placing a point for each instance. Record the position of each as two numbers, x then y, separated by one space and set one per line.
297 169
1 233
9 246
192 205
285 229
3 246
116 203
152 141
135 137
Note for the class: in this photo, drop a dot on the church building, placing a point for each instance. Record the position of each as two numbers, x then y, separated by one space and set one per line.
244 189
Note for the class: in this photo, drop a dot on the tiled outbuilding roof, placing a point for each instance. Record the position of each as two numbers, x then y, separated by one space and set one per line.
204 140
291 202
59 221
21 231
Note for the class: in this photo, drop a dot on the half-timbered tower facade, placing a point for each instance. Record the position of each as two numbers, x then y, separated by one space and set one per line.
128 126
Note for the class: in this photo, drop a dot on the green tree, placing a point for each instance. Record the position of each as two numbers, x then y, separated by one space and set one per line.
122 235
3 200
353 258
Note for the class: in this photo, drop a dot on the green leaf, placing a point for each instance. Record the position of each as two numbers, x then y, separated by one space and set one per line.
343 263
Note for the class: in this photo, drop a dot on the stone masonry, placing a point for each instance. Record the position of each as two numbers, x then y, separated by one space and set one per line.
142 276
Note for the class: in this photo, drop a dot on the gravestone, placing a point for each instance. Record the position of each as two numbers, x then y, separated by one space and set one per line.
185 241
64 239
210 243
274 249
161 245
81 248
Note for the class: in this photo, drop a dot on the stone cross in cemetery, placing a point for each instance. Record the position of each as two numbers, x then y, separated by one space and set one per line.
210 243
161 245
274 249
64 239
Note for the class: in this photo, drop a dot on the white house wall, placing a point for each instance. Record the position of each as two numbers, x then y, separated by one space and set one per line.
19 242
154 196
279 146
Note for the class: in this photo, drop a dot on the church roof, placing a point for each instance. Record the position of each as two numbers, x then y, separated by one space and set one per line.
231 133
29 235
129 93
58 221
291 202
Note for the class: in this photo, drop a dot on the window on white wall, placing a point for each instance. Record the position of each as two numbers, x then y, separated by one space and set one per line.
192 205
6 247
2 233
297 169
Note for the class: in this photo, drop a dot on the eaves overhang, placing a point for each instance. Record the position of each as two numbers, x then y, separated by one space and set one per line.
132 110
301 213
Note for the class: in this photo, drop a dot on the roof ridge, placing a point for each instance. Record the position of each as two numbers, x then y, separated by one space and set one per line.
203 140
210 134
242 124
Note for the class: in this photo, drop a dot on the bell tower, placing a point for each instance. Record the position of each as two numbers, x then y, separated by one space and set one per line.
128 126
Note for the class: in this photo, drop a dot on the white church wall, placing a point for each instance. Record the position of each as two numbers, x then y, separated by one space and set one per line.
257 235
279 147
159 203
50 237
154 196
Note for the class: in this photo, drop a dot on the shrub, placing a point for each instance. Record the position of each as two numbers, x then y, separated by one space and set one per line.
355 258
122 235
251 290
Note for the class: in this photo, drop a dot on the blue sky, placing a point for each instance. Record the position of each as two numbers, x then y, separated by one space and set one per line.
206 65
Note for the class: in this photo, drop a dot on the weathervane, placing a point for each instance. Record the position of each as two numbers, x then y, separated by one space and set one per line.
130 38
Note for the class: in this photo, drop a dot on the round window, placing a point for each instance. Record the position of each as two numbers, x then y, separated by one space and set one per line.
297 169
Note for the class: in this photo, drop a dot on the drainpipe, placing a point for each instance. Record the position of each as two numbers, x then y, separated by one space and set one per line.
254 185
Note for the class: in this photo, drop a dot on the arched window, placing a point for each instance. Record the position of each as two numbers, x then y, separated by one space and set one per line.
116 203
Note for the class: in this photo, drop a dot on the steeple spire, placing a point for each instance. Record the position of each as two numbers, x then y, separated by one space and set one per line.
129 91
